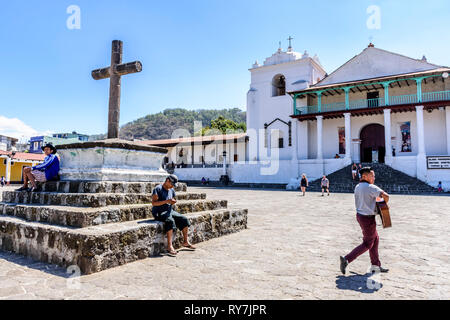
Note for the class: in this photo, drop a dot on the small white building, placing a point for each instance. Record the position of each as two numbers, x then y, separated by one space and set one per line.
192 158
7 143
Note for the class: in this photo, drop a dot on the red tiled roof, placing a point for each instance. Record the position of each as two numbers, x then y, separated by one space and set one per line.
25 155
221 137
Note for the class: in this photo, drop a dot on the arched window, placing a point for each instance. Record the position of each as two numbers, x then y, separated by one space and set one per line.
278 85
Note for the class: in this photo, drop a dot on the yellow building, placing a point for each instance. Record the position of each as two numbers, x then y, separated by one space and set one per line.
12 163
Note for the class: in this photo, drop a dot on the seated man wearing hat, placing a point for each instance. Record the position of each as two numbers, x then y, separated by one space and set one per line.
43 172
163 197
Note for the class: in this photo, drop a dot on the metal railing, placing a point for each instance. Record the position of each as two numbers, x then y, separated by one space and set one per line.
366 103
436 96
404 99
374 103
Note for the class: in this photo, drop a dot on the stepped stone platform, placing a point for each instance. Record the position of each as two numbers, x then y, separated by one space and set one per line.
390 180
100 225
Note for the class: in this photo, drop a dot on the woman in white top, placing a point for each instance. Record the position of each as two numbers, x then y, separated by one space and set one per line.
354 171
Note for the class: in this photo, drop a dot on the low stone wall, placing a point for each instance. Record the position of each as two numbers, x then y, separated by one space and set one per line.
98 248
85 217
92 200
104 187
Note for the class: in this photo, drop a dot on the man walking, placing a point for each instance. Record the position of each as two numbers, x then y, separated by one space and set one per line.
163 197
366 194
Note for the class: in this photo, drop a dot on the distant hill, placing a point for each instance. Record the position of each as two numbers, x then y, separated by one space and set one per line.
162 124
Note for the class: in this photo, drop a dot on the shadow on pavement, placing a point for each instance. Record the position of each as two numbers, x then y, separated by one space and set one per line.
53 269
358 282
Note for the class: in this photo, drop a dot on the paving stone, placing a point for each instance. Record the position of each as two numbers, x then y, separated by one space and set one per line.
11 291
321 229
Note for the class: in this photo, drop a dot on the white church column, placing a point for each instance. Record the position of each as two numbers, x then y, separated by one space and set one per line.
421 155
348 137
294 140
302 139
319 137
387 136
447 124
203 155
8 170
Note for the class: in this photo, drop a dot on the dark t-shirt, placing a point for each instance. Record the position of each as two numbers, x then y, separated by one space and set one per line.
163 194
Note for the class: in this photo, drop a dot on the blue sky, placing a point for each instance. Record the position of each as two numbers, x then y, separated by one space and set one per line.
195 54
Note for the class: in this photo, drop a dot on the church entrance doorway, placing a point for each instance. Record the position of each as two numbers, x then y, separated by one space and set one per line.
372 143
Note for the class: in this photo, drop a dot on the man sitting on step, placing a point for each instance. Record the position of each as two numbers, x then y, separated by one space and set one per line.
46 171
163 197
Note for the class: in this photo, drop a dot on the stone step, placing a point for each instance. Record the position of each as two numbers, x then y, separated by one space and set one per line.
98 248
387 178
93 200
104 187
388 190
83 217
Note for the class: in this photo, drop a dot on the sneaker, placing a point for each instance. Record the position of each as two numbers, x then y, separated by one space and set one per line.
383 270
22 189
379 269
344 264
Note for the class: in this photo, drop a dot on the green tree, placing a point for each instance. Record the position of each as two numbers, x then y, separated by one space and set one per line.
224 126
162 124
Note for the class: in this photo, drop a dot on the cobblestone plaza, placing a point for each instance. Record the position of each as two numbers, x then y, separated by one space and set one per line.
290 250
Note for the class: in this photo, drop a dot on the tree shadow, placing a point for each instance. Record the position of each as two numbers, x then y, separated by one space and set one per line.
357 282
55 269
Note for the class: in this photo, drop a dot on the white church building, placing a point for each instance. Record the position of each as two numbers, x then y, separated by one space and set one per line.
379 106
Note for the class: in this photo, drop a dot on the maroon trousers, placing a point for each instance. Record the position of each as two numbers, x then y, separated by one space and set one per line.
370 240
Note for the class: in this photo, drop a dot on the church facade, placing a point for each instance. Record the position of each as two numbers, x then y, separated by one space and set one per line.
379 106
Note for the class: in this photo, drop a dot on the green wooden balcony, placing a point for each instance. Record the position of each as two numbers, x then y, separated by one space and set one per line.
375 103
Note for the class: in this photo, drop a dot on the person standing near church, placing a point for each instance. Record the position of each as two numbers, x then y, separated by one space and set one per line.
304 184
354 171
325 185
163 198
2 181
366 194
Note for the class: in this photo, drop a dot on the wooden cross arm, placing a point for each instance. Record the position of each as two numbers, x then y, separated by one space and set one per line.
120 69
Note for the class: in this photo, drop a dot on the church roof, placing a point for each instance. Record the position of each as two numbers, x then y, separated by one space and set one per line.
375 63
281 57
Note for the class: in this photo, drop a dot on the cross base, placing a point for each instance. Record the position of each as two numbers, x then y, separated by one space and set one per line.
112 160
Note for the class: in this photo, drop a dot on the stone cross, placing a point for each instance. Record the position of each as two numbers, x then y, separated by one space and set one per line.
114 72
290 39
